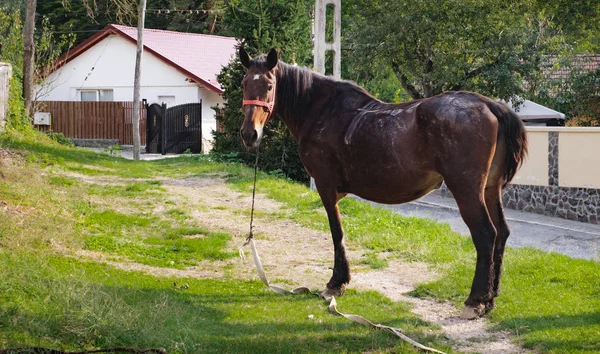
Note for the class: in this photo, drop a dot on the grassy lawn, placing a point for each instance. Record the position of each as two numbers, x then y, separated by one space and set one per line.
551 302
63 303
52 297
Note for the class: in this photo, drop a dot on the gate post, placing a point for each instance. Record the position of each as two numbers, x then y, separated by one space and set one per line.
321 44
163 130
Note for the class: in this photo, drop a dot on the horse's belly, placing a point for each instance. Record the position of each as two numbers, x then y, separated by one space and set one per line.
393 188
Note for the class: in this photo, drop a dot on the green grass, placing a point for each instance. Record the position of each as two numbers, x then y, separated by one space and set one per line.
149 240
70 305
372 260
550 302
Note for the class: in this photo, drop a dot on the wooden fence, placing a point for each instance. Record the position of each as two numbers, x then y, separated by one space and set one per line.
93 120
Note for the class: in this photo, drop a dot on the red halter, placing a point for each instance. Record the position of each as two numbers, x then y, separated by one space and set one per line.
269 106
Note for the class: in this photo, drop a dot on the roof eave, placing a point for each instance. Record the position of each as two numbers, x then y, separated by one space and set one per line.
110 30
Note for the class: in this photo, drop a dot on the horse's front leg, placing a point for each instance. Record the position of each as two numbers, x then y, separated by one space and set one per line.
341 270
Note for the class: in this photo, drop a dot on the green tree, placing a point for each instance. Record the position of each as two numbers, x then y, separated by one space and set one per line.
74 15
579 20
437 45
262 25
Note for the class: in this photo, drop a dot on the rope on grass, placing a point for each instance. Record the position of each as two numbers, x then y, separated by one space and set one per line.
304 290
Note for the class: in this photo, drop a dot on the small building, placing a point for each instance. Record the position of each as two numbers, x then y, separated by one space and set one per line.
177 68
532 113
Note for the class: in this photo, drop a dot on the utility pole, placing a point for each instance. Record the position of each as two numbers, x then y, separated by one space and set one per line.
29 53
137 80
321 46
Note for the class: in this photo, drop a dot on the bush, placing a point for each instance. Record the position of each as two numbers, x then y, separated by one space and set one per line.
60 138
279 24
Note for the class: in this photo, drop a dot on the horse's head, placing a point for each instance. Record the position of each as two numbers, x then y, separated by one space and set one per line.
259 95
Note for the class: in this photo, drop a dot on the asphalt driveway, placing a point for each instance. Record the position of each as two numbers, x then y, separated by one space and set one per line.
571 238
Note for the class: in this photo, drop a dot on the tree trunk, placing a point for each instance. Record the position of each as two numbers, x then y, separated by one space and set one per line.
28 53
136 81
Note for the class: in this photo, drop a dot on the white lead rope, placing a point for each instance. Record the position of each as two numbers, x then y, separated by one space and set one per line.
332 303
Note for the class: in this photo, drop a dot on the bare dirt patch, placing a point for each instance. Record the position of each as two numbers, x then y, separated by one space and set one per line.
9 158
470 336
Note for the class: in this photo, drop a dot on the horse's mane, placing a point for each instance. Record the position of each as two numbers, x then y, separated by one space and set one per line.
295 87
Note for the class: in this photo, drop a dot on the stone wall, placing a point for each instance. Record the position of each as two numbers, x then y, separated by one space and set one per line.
580 204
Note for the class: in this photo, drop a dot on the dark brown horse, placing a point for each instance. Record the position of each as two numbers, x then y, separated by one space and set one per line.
350 142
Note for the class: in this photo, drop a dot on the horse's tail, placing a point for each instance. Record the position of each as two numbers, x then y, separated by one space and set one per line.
512 130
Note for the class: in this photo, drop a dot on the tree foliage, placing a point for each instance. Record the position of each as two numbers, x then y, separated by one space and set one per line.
578 20
437 45
86 17
260 26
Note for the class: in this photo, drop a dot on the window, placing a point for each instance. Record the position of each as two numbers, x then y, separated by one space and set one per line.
96 95
89 96
106 95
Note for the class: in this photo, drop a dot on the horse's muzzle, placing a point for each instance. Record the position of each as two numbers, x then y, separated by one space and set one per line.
251 138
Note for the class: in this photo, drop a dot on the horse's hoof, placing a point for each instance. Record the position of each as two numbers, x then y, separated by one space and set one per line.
472 312
328 293
490 305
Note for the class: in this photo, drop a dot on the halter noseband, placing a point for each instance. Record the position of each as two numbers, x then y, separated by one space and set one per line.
268 105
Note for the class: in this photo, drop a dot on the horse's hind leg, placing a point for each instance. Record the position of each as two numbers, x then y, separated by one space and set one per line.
493 200
469 195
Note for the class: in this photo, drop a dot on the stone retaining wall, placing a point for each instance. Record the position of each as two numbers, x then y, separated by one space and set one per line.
580 204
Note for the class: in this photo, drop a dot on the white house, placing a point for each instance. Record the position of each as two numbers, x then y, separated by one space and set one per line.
177 68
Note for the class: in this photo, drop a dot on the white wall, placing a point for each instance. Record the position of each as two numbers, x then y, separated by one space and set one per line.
110 64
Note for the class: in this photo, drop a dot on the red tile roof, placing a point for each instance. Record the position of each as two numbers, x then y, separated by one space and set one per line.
581 63
198 56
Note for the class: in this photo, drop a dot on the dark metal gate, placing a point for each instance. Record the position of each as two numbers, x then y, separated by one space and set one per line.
183 129
174 130
154 114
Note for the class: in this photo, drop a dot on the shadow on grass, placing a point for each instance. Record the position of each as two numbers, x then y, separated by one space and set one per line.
183 322
70 305
559 333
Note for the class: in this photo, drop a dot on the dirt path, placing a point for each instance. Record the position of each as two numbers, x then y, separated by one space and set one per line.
294 255
304 257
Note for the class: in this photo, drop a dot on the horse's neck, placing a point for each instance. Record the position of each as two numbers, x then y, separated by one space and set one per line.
322 95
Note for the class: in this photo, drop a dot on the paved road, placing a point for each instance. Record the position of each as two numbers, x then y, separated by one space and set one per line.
572 238
127 152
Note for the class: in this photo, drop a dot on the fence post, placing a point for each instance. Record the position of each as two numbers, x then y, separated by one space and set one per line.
163 134
5 75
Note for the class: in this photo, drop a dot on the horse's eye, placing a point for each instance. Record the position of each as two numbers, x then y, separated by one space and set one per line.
270 87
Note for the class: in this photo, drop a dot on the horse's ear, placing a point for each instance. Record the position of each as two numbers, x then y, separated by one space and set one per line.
245 58
272 59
